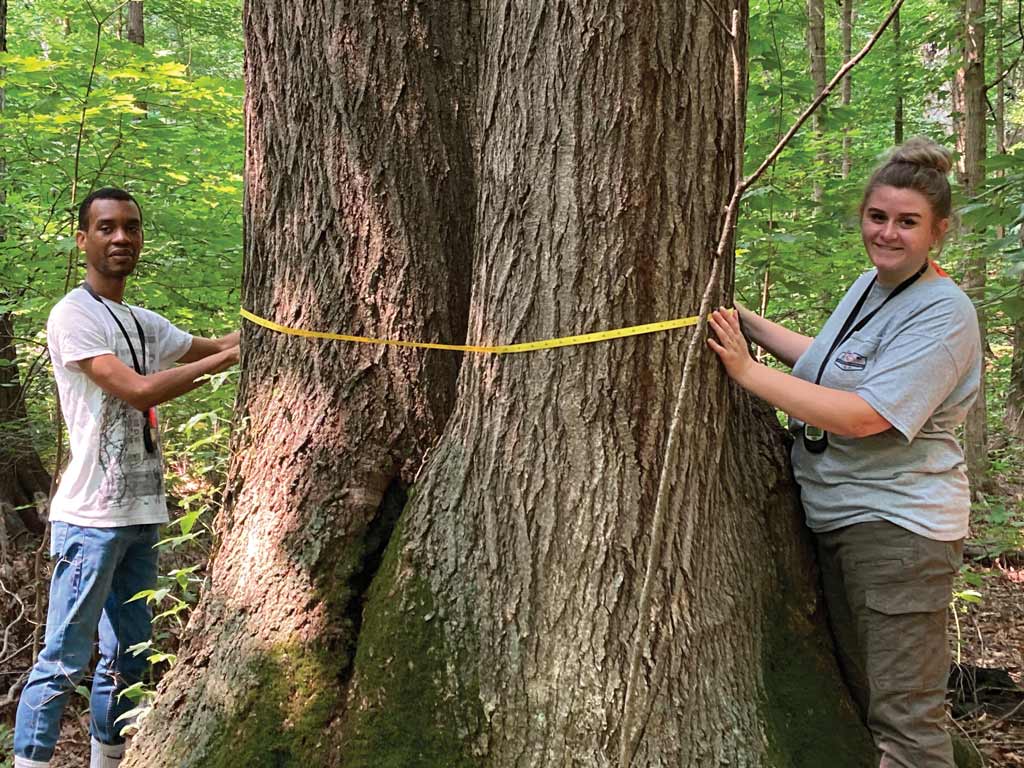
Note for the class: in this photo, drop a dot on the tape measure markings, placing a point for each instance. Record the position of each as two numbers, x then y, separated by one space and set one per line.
529 346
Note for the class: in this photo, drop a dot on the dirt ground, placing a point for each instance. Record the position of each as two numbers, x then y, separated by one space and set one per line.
991 637
986 635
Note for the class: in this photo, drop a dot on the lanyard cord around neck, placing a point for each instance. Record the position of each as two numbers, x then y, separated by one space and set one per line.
141 370
846 331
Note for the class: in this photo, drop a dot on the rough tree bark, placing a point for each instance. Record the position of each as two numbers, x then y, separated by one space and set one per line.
22 474
358 216
969 93
500 626
506 614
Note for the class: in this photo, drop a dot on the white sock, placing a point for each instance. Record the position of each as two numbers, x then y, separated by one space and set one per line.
106 755
24 762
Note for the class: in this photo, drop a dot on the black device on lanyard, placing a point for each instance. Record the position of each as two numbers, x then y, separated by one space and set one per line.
148 415
816 438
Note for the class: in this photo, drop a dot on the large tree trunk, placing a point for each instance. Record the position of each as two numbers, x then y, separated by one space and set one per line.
358 217
502 628
970 93
514 598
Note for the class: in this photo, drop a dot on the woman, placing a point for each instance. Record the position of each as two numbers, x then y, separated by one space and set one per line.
873 401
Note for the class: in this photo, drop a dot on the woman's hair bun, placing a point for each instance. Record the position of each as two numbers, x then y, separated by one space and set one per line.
923 153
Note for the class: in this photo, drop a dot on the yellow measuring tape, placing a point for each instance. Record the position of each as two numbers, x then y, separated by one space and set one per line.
529 346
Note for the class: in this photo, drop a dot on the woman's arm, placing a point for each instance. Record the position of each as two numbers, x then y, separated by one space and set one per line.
837 411
784 344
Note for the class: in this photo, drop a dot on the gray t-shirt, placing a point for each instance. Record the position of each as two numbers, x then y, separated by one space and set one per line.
918 363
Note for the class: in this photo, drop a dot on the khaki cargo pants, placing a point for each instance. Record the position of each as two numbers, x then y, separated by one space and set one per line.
887 591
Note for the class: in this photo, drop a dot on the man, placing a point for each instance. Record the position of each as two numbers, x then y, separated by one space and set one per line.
111 363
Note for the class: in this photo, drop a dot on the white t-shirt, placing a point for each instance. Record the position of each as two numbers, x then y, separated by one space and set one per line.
111 480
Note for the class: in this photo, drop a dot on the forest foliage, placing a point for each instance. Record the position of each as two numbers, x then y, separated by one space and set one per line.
84 107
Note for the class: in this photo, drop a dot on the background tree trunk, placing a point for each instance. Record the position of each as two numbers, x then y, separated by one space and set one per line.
1013 416
897 119
23 478
1013 419
136 24
999 112
22 475
137 34
358 217
846 33
971 171
816 54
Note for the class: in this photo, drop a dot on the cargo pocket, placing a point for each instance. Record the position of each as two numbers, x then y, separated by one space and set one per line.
905 635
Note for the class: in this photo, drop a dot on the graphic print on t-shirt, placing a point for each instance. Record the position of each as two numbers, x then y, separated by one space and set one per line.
129 473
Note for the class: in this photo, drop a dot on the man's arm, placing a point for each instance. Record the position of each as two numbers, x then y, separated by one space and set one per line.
202 348
142 392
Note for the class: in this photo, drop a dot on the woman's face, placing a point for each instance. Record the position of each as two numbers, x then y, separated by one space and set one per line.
899 228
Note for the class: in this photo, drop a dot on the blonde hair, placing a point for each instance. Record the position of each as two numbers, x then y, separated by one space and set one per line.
921 165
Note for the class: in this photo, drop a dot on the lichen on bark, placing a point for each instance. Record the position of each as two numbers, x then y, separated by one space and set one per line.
408 705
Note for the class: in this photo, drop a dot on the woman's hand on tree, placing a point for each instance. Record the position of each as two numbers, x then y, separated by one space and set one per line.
730 346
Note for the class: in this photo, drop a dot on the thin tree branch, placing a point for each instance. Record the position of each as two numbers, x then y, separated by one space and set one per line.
718 17
1006 72
997 721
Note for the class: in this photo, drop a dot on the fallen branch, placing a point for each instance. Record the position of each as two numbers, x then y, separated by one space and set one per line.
997 721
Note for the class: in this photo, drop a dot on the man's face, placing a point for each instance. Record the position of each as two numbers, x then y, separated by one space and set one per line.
113 241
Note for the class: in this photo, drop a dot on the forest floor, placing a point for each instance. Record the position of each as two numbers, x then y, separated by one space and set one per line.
990 713
986 628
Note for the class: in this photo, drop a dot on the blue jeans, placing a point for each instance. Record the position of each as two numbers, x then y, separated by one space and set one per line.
97 571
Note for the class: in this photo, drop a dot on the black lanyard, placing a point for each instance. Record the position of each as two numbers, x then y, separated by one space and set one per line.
846 331
149 414
141 370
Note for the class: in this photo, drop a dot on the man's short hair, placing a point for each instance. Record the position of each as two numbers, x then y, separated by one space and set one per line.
106 193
